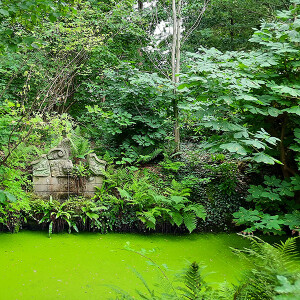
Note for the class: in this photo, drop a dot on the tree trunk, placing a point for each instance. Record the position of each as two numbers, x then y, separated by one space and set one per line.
176 44
140 5
286 170
231 33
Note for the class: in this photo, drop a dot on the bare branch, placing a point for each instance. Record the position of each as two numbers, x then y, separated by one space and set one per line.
197 22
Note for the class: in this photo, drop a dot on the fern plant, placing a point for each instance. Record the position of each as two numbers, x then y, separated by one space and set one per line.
80 145
151 204
55 215
173 209
274 275
149 154
185 212
268 264
191 283
195 286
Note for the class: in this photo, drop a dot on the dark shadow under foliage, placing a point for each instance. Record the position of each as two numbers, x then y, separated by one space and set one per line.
218 183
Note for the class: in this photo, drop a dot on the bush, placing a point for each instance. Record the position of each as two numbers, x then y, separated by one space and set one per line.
218 183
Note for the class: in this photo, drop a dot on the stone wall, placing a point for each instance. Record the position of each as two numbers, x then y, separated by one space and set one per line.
52 174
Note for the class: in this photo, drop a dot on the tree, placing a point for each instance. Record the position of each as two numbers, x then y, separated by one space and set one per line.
57 76
166 56
228 24
19 17
250 102
242 92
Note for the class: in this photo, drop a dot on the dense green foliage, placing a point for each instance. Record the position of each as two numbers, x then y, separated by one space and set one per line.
228 25
195 106
257 99
133 120
18 18
65 73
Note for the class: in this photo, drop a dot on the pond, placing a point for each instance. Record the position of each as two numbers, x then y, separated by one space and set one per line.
83 266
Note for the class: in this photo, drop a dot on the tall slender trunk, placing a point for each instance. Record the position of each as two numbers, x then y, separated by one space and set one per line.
176 44
231 33
140 4
286 170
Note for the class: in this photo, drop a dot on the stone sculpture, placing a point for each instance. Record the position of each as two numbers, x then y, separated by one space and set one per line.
52 174
41 167
95 164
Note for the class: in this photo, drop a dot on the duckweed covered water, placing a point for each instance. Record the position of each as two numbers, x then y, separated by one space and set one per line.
80 266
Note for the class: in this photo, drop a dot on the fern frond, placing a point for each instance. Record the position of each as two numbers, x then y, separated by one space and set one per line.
167 288
124 194
179 206
288 251
178 199
267 263
190 220
148 218
121 294
142 279
160 199
193 282
198 209
149 155
80 146
177 217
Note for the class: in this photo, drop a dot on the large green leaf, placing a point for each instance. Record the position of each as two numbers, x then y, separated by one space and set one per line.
287 290
293 110
264 158
272 181
2 196
256 191
270 223
288 90
292 220
5 195
244 216
274 112
4 12
271 196
234 148
297 133
255 143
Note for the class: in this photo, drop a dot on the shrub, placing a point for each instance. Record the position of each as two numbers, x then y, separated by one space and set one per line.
217 183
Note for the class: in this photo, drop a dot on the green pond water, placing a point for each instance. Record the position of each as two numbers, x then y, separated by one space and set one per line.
80 266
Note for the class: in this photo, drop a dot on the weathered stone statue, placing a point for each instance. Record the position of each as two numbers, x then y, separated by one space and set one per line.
60 165
41 167
52 174
66 144
96 165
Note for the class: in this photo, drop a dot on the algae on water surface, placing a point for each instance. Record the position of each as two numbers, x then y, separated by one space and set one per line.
80 266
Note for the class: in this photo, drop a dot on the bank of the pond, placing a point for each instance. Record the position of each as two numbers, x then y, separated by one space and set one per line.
79 266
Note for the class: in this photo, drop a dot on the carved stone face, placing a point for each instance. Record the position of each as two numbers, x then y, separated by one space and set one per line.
67 167
60 168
